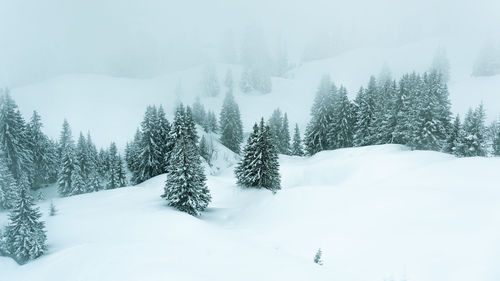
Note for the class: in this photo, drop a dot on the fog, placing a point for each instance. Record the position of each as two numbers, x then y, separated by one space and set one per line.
146 38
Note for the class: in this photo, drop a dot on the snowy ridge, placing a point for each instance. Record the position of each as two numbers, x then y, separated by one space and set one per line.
377 212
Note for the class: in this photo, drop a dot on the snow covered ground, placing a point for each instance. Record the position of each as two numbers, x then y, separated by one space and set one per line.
112 108
378 213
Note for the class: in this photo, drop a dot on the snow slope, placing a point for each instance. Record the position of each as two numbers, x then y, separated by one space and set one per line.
112 108
378 213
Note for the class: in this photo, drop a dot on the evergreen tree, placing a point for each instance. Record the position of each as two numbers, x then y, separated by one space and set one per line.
8 188
405 103
150 164
285 136
342 126
316 137
231 128
66 139
474 129
317 257
25 234
210 123
40 150
245 81
112 180
365 104
275 123
132 158
454 142
204 149
496 143
441 64
13 138
259 166
65 178
210 81
199 113
185 187
52 209
432 114
228 82
162 138
297 143
78 184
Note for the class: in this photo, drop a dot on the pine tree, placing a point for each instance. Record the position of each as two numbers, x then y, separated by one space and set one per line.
316 137
297 143
66 139
13 138
341 129
132 158
405 112
185 187
52 209
454 142
496 143
162 138
25 234
8 187
199 113
432 114
285 136
40 150
245 81
275 123
204 149
150 164
78 184
112 180
365 104
474 132
210 81
231 128
317 257
228 81
65 178
259 166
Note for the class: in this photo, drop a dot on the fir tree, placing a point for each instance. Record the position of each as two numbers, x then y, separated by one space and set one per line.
25 234
204 149
112 180
8 187
52 209
150 164
259 166
365 104
210 82
13 138
228 82
185 187
41 154
474 132
78 184
199 113
297 149
496 143
231 128
342 126
454 142
285 136
65 178
316 137
317 257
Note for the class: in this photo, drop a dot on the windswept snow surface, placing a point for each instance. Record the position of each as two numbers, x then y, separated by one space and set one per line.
378 213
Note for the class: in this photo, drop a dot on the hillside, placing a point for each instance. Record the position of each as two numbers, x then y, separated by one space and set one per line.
112 108
378 213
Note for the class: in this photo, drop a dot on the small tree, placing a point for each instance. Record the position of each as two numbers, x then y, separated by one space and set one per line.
52 210
297 149
317 257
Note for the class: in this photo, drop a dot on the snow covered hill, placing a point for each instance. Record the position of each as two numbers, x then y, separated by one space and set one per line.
90 102
378 213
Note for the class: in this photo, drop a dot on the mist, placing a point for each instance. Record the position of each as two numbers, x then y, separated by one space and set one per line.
140 39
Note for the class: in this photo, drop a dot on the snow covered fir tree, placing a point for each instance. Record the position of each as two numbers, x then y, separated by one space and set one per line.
25 235
231 128
185 187
259 166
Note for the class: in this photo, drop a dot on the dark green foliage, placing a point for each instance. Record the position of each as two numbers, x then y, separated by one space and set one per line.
259 167
13 138
231 128
341 129
297 149
185 187
8 187
25 234
316 137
